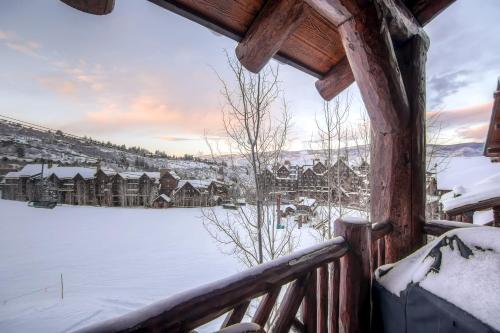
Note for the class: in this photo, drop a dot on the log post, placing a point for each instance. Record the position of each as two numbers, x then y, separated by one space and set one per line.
398 161
496 216
355 276
333 297
323 299
309 305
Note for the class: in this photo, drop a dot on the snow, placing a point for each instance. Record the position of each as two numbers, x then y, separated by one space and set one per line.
165 197
470 284
71 172
305 201
466 171
113 261
472 195
197 183
482 217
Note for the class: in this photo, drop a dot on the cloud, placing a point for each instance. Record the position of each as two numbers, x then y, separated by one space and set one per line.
467 116
477 133
59 85
444 85
143 110
13 42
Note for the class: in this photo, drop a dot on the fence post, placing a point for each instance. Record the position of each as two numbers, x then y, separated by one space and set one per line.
355 275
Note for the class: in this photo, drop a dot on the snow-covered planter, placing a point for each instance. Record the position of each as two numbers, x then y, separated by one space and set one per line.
450 285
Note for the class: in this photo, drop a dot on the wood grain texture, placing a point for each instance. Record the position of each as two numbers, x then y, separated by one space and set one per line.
355 277
236 315
266 306
338 79
369 48
276 21
95 7
323 299
333 297
309 305
291 303
398 173
426 10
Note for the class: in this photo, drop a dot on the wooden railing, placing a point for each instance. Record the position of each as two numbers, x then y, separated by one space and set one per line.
317 278
439 227
331 281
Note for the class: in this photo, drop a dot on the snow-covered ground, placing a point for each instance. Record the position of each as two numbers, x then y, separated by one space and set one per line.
113 260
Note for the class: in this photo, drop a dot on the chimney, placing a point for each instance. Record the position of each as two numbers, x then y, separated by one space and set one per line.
164 171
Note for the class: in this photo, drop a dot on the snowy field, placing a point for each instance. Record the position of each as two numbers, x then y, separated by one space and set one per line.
113 260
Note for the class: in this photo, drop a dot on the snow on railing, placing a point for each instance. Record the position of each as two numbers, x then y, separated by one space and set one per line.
331 281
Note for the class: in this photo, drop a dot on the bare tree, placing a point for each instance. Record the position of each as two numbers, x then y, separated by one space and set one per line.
360 137
258 133
332 135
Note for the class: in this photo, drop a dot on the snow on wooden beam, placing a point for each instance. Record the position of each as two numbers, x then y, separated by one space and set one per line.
336 80
96 7
370 51
275 23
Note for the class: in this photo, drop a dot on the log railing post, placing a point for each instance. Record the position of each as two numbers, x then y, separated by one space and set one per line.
355 276
496 216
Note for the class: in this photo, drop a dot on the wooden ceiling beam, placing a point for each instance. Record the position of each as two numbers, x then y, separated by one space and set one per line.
95 7
275 23
426 10
400 22
370 51
338 79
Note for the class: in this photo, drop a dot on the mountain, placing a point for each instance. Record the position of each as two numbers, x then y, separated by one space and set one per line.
22 143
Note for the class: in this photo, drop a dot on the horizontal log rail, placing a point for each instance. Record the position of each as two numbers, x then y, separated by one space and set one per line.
188 310
381 229
439 227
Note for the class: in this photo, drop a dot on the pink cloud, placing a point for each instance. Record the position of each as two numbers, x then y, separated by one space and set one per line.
477 133
463 116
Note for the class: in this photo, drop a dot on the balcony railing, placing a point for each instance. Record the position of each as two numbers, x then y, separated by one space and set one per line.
330 280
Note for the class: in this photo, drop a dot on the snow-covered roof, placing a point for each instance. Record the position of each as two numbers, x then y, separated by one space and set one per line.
468 274
471 195
30 170
71 172
465 171
196 183
152 174
131 174
108 172
305 201
483 217
164 197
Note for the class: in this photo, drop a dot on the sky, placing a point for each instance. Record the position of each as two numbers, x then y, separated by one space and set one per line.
143 76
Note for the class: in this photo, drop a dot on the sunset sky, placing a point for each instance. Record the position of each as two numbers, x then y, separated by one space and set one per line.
145 76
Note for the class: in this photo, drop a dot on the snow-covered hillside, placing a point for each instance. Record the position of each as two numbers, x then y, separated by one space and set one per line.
20 144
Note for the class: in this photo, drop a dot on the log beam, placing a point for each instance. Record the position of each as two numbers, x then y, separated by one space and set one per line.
275 23
96 7
355 276
370 52
338 79
426 10
401 23
398 162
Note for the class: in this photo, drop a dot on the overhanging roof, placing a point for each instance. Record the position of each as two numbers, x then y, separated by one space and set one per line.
492 146
315 46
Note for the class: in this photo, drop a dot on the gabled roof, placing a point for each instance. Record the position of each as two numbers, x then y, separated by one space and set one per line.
71 172
163 197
